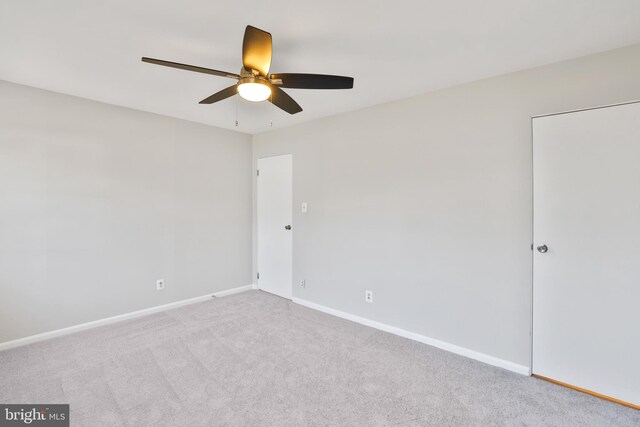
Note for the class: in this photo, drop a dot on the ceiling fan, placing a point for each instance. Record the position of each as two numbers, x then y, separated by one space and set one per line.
254 81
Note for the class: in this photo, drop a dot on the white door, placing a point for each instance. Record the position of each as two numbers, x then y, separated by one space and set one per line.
586 287
275 191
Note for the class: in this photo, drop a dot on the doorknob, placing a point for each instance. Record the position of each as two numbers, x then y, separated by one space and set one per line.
287 227
542 249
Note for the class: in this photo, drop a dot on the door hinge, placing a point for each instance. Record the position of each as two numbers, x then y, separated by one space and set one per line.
258 275
258 172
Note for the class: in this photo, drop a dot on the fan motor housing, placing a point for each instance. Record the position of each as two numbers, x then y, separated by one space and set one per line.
255 79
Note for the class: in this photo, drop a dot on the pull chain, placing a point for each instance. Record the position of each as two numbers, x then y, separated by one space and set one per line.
236 111
271 110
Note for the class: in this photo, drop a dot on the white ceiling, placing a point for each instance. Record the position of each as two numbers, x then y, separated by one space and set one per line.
394 49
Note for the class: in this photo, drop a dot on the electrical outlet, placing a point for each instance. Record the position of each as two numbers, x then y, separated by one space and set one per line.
368 296
302 283
159 284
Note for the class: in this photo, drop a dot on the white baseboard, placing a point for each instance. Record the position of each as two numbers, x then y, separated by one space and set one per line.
491 360
234 291
119 318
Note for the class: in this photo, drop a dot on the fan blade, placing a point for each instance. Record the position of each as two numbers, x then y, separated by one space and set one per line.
190 68
312 81
219 96
256 50
280 99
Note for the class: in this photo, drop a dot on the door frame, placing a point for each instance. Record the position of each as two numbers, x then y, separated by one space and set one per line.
533 210
257 251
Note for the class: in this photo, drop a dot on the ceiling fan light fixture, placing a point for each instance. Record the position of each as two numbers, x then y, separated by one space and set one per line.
254 89
254 82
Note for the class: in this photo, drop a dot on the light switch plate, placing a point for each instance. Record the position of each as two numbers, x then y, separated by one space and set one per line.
303 209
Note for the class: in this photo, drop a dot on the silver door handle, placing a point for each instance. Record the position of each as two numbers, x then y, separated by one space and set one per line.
287 227
542 249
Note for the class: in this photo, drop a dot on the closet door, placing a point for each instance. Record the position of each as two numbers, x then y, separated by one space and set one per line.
586 286
275 212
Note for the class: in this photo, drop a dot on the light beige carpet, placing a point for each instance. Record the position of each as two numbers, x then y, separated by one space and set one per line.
254 359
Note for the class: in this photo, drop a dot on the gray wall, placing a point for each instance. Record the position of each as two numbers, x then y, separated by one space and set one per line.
427 201
97 202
